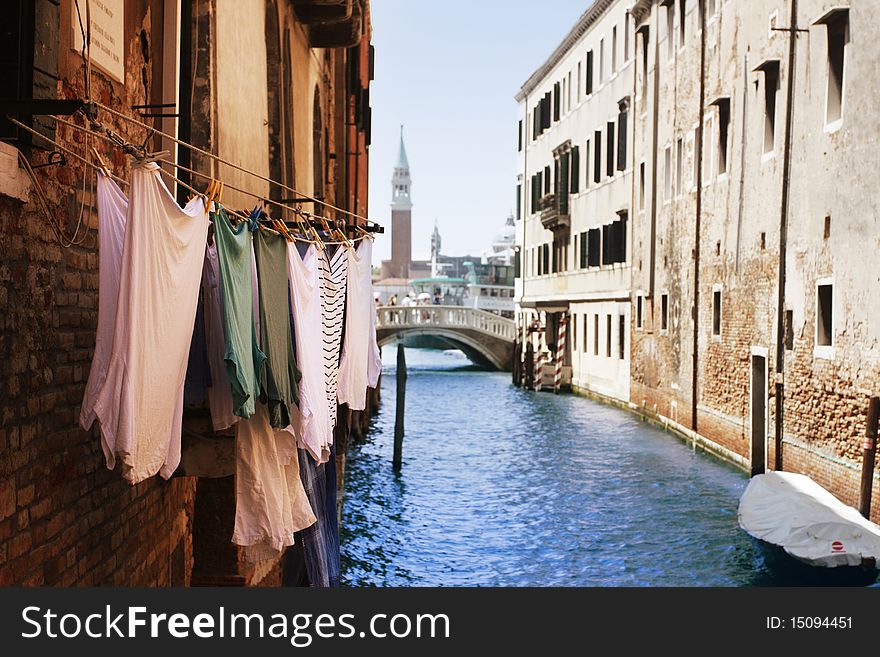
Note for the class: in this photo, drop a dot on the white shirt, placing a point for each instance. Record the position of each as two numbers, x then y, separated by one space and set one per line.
140 405
112 210
361 362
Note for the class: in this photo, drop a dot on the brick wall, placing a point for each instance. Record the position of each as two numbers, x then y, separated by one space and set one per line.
64 518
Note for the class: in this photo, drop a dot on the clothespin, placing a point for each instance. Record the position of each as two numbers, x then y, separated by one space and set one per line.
102 165
365 232
253 219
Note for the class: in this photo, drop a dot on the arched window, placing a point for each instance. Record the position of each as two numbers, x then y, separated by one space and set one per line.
289 166
274 66
318 145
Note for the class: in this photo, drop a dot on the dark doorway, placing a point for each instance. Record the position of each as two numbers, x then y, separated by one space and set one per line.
759 414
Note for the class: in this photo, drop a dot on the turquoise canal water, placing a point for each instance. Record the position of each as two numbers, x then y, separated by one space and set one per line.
506 487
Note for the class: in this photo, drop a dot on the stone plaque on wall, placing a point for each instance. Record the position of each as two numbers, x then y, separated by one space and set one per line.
107 36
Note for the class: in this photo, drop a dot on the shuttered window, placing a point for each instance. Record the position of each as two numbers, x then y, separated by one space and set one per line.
621 141
609 153
589 79
597 156
575 170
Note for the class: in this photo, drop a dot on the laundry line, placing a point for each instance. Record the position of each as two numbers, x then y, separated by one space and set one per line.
221 160
130 148
192 189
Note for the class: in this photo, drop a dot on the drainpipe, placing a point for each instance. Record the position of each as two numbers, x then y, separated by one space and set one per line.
695 313
654 141
783 235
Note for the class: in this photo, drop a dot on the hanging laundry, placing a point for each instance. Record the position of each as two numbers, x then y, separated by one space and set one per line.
315 544
311 424
140 405
361 362
331 520
334 273
244 360
198 374
280 376
112 209
270 500
220 390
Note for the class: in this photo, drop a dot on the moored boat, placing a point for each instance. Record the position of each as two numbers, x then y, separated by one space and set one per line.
807 533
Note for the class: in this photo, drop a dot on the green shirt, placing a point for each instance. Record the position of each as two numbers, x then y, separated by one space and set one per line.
280 378
244 360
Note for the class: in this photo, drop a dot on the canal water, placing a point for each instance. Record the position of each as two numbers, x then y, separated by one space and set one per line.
506 487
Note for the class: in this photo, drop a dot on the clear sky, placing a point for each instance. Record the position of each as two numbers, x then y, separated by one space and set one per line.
448 71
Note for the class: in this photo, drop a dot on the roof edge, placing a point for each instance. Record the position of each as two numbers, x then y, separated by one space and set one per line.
590 16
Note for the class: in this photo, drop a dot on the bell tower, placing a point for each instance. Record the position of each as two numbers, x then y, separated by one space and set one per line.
401 216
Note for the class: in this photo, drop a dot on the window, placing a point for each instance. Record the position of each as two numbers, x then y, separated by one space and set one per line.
670 31
771 87
614 240
707 150
601 61
664 311
645 42
639 309
621 336
520 136
682 6
626 19
583 253
613 49
574 330
667 173
789 330
557 100
519 202
575 185
679 157
597 156
547 179
596 335
608 336
609 149
697 158
586 318
837 25
568 93
621 136
824 315
594 247
716 311
723 130
578 97
589 79
641 186
587 165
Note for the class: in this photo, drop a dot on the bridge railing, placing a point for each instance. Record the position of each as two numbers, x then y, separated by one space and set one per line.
446 317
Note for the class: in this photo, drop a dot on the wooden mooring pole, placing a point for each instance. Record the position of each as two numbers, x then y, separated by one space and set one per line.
398 418
868 458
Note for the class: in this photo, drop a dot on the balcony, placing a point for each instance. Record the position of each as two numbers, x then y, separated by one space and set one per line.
331 23
554 217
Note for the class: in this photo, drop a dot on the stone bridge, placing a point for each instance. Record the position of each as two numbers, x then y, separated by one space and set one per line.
485 338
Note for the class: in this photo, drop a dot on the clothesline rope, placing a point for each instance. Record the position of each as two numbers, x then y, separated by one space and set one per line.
221 160
125 182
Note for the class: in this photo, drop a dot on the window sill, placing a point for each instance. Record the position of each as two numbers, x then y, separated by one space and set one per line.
14 181
834 126
770 155
825 352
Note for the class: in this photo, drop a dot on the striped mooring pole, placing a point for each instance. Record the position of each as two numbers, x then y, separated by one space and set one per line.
560 352
539 364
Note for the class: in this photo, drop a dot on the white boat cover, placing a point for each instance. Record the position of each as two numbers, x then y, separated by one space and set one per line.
794 512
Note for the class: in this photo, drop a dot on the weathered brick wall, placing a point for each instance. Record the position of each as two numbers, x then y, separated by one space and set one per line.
64 518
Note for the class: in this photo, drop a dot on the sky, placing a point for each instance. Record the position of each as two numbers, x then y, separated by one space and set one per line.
448 71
